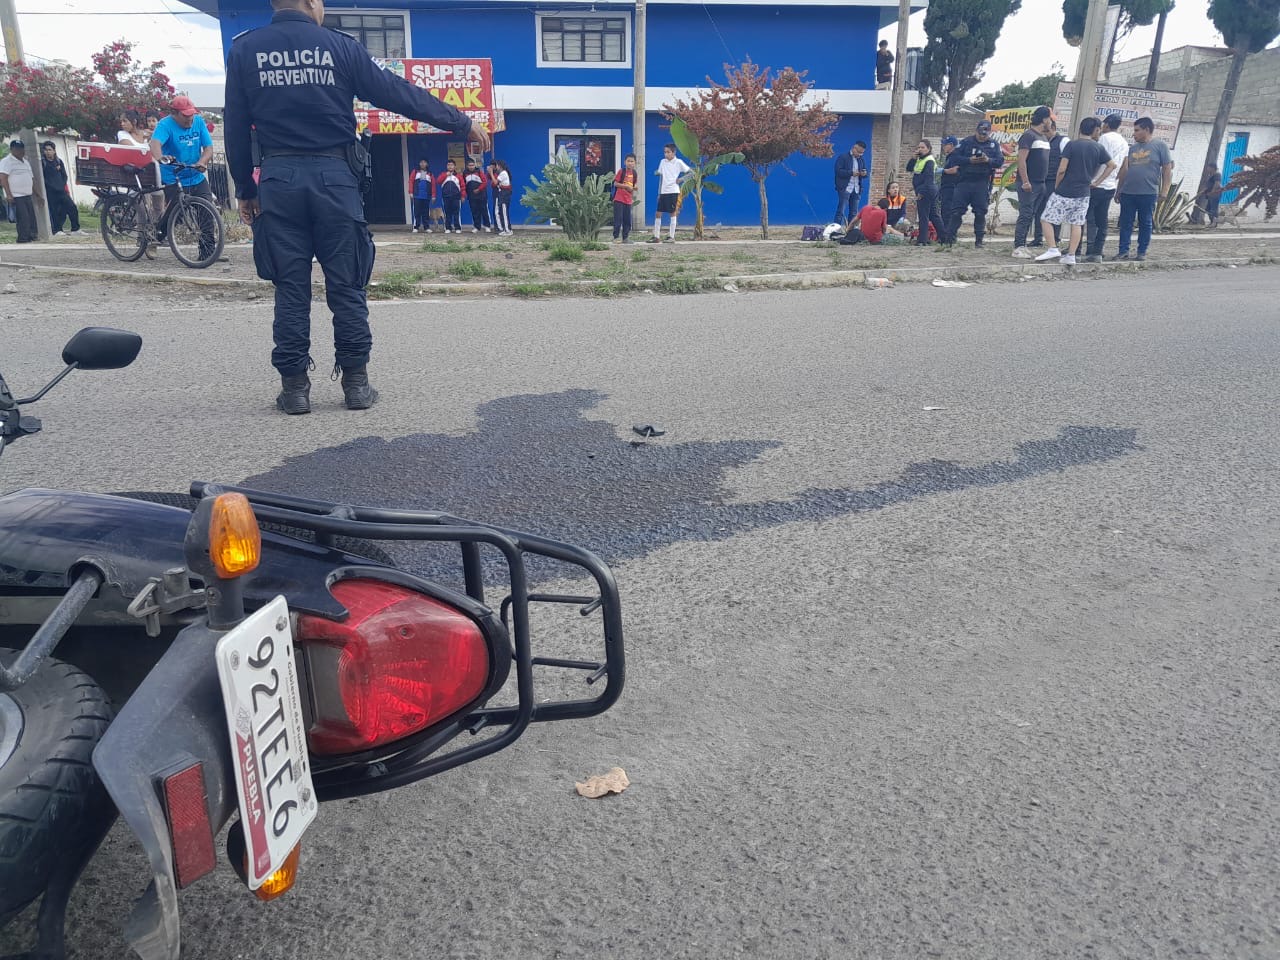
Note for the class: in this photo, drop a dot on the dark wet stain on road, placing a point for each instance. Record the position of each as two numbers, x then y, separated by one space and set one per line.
536 463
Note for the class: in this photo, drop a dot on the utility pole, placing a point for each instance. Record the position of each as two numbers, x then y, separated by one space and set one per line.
899 85
13 54
637 113
1095 27
1155 50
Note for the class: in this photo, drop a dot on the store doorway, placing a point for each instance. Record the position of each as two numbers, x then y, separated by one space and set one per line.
387 195
591 151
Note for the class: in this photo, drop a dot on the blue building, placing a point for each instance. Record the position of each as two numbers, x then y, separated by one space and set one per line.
563 77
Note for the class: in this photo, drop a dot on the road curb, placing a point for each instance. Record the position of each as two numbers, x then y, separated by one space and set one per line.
972 273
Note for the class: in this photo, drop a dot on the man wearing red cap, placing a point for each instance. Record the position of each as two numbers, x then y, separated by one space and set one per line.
183 136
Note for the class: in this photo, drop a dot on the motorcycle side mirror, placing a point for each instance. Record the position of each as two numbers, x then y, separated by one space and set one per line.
93 348
101 348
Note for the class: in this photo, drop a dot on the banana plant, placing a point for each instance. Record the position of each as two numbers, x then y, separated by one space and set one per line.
702 169
1004 183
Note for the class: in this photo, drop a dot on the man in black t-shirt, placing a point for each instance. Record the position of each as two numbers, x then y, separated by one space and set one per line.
1056 140
1033 161
1085 164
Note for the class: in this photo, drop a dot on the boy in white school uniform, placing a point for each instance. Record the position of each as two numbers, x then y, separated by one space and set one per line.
670 170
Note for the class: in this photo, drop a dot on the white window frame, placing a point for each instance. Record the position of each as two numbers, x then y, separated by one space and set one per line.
600 132
623 64
379 11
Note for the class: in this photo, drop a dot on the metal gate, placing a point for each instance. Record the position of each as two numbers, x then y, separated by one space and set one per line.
1237 147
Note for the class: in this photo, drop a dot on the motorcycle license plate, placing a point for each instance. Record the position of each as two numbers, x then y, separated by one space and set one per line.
264 719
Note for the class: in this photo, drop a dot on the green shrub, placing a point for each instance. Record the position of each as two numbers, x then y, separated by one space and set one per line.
580 207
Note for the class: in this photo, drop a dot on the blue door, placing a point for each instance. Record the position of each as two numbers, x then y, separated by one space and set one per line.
1237 147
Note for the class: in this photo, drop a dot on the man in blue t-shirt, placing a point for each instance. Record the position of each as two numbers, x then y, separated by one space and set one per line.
183 136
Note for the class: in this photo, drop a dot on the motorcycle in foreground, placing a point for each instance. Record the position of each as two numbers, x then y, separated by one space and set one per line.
264 657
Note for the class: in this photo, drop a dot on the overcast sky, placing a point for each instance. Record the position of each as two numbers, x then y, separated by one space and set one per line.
189 42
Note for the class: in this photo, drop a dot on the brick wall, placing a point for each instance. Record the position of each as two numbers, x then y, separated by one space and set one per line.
914 128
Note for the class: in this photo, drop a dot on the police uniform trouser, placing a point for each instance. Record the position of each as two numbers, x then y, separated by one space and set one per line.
946 199
311 207
969 193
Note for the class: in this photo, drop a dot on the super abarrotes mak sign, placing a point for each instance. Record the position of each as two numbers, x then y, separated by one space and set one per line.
1162 106
466 84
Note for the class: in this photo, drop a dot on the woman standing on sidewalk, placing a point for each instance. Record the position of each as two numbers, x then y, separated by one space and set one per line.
924 182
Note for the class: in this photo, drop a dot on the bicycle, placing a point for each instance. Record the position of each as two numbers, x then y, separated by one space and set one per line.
192 225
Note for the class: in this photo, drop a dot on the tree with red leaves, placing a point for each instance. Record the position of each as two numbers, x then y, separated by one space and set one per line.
764 121
57 97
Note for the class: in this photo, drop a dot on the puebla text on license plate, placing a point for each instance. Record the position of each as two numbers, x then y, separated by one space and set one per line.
268 744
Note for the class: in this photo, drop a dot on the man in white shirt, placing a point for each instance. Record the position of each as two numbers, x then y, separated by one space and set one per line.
17 183
670 170
1117 148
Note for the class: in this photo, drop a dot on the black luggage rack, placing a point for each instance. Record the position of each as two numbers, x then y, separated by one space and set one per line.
416 761
96 172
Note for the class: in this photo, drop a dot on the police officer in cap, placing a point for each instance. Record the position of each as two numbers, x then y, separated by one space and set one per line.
292 83
975 161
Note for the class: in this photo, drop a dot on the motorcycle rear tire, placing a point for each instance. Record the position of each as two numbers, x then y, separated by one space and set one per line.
352 545
53 807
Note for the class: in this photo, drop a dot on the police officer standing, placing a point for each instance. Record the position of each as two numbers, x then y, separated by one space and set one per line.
977 159
293 83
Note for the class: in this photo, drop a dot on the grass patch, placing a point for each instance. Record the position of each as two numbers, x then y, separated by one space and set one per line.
639 256
607 270
613 288
594 245
396 284
529 290
674 283
564 250
446 246
474 269
741 256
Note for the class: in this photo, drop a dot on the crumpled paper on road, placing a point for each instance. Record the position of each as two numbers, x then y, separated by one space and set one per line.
615 781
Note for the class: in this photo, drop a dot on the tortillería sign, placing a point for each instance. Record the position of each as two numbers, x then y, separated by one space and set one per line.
466 84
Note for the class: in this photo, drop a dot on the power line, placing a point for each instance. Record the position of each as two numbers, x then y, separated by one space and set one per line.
111 13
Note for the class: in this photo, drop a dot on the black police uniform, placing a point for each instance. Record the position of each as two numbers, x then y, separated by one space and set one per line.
974 187
293 83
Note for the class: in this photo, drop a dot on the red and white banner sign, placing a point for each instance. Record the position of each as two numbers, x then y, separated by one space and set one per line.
466 84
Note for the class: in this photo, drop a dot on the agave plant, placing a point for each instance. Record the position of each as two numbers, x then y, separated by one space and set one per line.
1172 209
702 169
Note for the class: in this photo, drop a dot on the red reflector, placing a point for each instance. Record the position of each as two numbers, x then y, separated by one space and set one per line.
401 662
188 811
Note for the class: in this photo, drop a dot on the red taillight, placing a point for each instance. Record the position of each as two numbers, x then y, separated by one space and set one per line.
189 827
399 663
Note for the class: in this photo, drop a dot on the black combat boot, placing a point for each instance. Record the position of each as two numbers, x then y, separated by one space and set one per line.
356 389
295 394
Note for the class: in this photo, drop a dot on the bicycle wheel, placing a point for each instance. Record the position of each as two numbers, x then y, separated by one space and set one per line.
123 229
195 232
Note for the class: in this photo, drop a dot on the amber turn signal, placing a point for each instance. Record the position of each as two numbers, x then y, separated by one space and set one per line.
235 542
278 884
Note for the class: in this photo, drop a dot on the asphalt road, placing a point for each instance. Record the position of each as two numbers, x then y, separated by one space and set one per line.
951 614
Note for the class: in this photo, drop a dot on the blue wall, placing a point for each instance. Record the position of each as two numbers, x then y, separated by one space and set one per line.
686 44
